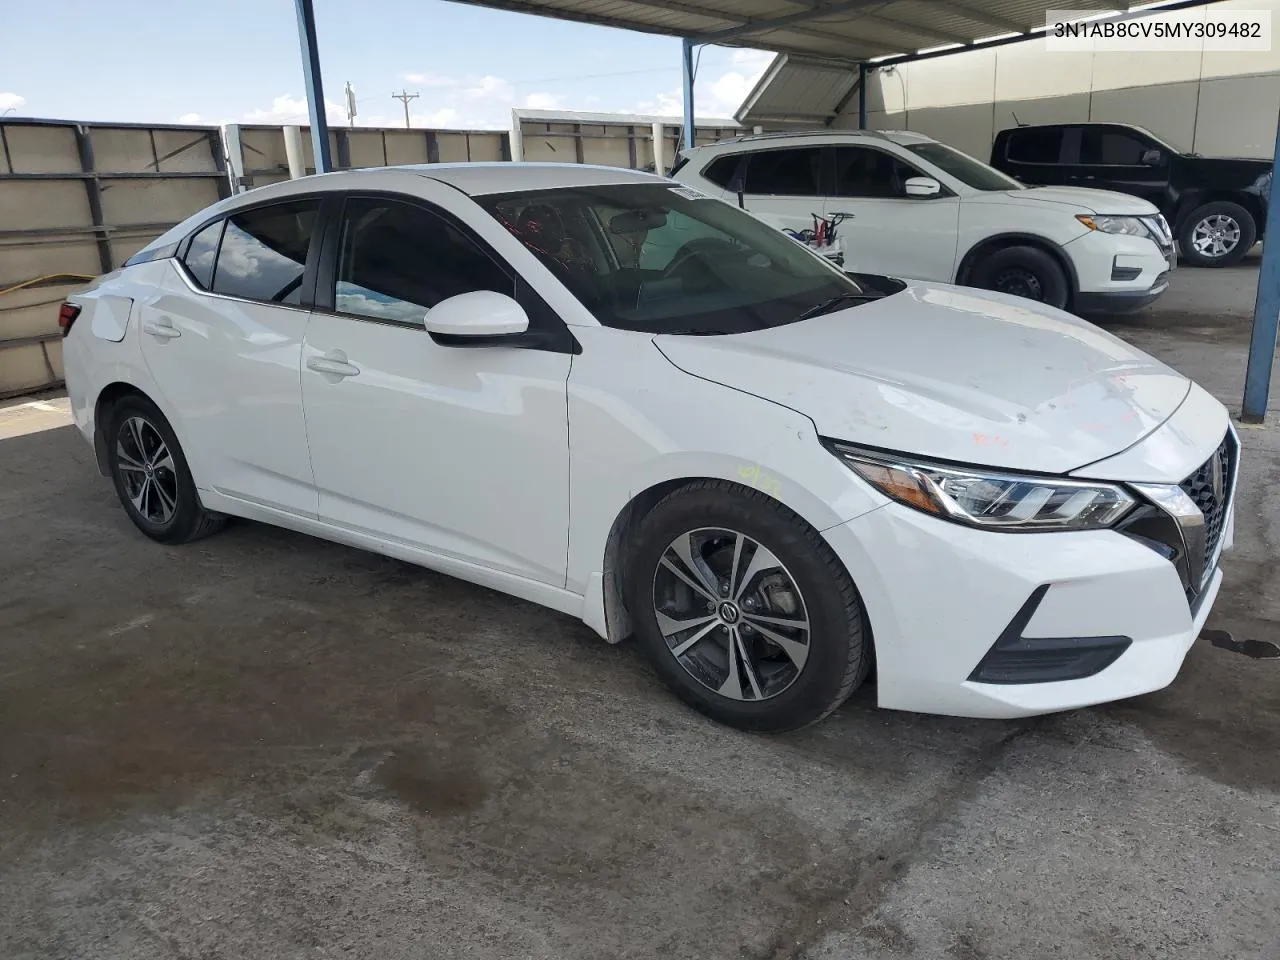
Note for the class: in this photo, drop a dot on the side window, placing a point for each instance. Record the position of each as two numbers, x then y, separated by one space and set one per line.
1112 148
720 171
866 172
785 173
264 252
396 261
1036 145
201 253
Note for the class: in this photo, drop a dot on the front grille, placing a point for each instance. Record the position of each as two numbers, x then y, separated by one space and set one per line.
1210 487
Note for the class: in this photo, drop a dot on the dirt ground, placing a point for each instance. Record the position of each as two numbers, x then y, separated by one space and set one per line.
264 745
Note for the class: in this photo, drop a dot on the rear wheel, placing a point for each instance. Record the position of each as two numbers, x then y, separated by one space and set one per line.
1023 271
744 609
1217 234
151 476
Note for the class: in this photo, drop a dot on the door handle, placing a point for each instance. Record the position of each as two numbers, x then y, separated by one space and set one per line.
162 329
333 364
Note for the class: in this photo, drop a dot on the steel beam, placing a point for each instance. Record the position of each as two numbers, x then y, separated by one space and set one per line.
315 89
1266 310
777 23
687 64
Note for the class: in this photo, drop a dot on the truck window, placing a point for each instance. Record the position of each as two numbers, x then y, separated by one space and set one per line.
1035 145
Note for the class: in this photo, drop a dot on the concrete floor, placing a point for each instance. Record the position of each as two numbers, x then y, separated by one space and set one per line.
263 745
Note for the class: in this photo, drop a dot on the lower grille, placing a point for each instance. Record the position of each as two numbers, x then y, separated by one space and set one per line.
1210 488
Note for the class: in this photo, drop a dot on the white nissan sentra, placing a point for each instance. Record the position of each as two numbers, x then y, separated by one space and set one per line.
603 392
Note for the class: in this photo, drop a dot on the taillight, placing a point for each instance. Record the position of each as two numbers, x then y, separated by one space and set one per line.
67 314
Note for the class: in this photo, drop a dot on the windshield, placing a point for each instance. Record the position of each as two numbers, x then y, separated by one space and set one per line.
973 173
663 258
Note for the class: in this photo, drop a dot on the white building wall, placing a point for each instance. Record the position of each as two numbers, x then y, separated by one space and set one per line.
1214 103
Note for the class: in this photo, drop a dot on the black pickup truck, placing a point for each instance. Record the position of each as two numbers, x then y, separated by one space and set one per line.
1216 206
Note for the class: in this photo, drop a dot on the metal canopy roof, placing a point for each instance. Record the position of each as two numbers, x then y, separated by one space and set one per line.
846 30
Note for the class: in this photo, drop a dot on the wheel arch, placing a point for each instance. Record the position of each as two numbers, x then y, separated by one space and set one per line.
1190 203
615 620
1001 241
108 397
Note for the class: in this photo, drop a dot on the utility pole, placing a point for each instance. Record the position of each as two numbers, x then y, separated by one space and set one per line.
404 98
351 104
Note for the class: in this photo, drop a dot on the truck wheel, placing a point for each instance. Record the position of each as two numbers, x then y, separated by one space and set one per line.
1023 272
1217 234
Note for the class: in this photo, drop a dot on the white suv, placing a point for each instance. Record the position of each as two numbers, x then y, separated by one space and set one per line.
901 204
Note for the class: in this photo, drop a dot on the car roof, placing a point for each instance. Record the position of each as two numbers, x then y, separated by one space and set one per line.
826 135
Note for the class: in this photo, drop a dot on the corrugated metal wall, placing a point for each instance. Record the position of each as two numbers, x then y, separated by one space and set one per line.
77 200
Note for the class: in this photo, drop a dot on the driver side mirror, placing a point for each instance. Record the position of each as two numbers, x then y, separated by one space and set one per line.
923 187
1151 158
470 319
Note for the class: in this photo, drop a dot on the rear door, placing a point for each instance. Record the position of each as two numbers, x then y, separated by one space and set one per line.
1038 156
223 342
883 230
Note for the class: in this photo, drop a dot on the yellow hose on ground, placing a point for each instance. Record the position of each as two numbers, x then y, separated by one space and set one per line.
48 276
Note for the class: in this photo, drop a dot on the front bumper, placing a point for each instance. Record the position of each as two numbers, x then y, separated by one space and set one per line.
1117 274
978 623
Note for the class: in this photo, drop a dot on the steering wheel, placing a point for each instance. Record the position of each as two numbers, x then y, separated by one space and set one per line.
699 252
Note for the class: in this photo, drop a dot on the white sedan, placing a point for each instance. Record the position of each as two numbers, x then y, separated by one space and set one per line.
605 393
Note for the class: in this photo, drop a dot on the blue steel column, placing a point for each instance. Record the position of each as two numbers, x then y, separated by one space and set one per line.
862 96
311 79
688 93
1266 309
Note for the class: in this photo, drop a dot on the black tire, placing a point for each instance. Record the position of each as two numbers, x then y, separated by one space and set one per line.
837 649
1243 221
172 489
1023 272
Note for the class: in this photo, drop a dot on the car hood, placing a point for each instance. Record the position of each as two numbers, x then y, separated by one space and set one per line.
1079 199
951 374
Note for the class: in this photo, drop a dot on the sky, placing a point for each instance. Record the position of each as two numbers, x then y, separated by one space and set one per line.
196 61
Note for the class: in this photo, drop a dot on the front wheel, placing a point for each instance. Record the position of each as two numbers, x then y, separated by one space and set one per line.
1023 272
744 609
1217 234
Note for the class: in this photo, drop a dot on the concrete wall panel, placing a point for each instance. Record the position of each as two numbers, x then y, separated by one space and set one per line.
187 151
407 146
23 261
122 149
486 146
1237 116
1168 111
453 148
366 148
966 127
126 202
43 204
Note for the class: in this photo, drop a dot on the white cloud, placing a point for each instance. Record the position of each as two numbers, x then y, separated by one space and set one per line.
716 94
12 101
190 118
489 88
431 80
542 101
289 109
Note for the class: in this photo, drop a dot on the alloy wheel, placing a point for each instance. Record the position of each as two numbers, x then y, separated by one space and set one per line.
731 614
1215 236
147 469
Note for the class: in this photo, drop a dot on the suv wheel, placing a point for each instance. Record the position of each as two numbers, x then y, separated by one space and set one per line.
744 609
1217 234
1023 272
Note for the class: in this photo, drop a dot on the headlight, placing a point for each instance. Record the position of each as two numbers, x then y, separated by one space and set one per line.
988 499
1127 226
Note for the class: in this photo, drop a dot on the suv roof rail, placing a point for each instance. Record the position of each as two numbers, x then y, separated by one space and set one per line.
783 134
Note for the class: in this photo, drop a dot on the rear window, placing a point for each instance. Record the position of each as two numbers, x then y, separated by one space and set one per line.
1035 145
263 255
201 253
720 171
785 173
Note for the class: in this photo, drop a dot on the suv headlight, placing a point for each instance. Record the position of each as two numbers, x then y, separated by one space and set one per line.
992 500
1126 226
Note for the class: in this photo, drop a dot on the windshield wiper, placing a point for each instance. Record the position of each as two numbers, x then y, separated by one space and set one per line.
828 306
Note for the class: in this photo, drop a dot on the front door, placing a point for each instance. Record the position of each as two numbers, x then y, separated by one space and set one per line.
463 451
1111 158
223 341
783 188
885 231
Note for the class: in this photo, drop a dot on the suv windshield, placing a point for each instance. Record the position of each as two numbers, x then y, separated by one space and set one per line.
663 258
963 167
